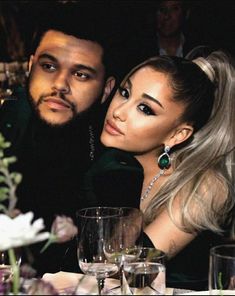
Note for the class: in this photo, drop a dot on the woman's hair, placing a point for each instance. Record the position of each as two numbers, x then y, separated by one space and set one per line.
203 177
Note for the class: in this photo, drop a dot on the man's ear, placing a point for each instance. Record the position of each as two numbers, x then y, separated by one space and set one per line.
30 63
109 85
181 134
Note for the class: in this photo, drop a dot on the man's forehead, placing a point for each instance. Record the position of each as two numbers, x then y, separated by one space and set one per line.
58 40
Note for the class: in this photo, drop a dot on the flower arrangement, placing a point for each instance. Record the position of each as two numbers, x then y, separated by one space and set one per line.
18 229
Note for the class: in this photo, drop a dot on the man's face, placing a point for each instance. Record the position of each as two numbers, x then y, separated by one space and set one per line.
67 77
169 18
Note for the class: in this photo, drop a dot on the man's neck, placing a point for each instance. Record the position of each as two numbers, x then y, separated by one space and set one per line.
170 43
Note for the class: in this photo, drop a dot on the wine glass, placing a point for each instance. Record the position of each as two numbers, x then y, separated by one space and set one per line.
146 275
222 270
94 226
126 242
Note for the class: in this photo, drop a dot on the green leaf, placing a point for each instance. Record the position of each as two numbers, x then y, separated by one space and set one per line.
2 179
17 177
8 180
4 191
8 160
2 208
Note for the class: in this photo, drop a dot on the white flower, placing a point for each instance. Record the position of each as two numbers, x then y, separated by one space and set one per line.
18 231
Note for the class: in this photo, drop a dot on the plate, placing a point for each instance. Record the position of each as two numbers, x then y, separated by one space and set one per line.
223 292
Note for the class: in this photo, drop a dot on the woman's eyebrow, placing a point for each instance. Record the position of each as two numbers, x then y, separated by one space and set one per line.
146 96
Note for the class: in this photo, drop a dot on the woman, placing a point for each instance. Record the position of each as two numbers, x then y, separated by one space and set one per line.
170 127
176 117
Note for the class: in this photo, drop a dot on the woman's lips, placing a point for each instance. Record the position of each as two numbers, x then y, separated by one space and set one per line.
112 129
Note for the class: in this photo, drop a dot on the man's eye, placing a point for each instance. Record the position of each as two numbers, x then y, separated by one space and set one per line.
48 67
123 92
81 75
146 109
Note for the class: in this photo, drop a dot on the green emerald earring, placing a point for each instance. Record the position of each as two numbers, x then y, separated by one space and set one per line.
164 160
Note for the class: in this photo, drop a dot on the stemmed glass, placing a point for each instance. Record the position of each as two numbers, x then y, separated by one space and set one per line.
126 242
95 225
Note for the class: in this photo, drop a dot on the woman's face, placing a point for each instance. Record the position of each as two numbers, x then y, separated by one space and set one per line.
142 115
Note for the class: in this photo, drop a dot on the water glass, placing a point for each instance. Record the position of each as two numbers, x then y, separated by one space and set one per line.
222 270
147 275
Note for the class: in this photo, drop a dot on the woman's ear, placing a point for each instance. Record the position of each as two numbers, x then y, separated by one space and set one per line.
181 134
109 85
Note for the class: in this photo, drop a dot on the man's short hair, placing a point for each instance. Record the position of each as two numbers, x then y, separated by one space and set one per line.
81 21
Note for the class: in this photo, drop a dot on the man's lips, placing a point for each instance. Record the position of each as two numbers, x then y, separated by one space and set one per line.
57 103
111 128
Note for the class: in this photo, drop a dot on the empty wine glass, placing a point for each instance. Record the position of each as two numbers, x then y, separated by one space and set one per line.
94 226
126 242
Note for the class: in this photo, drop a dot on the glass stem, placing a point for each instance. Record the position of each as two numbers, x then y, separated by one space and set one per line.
121 279
100 285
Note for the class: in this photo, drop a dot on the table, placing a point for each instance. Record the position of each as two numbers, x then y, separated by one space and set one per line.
67 282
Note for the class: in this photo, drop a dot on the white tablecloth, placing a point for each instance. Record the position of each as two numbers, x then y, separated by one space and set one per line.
68 282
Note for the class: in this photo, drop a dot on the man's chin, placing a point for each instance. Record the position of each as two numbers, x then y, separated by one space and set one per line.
56 122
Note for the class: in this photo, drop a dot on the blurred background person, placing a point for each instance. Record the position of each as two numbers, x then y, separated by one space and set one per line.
169 24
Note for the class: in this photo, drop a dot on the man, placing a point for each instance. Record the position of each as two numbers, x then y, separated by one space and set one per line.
170 20
54 128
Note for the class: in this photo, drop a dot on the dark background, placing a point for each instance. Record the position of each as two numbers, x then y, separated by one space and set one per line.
210 21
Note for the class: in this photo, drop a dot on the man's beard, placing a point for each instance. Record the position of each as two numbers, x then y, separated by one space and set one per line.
76 115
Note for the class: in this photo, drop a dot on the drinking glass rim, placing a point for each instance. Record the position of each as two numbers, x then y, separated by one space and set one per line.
79 212
128 264
120 214
225 246
159 253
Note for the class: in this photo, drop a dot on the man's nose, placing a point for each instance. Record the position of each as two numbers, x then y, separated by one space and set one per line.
61 83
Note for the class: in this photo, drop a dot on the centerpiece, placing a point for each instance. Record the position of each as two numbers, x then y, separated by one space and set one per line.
19 229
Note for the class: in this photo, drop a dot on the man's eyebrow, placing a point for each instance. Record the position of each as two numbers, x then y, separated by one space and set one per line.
76 66
146 96
47 56
85 67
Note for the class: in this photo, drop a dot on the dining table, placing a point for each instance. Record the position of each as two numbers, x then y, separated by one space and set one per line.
69 283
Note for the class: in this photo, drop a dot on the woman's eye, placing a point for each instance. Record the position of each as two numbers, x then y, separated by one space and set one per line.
146 109
124 92
48 67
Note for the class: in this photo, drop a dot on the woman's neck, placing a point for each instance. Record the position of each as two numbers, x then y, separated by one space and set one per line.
152 171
